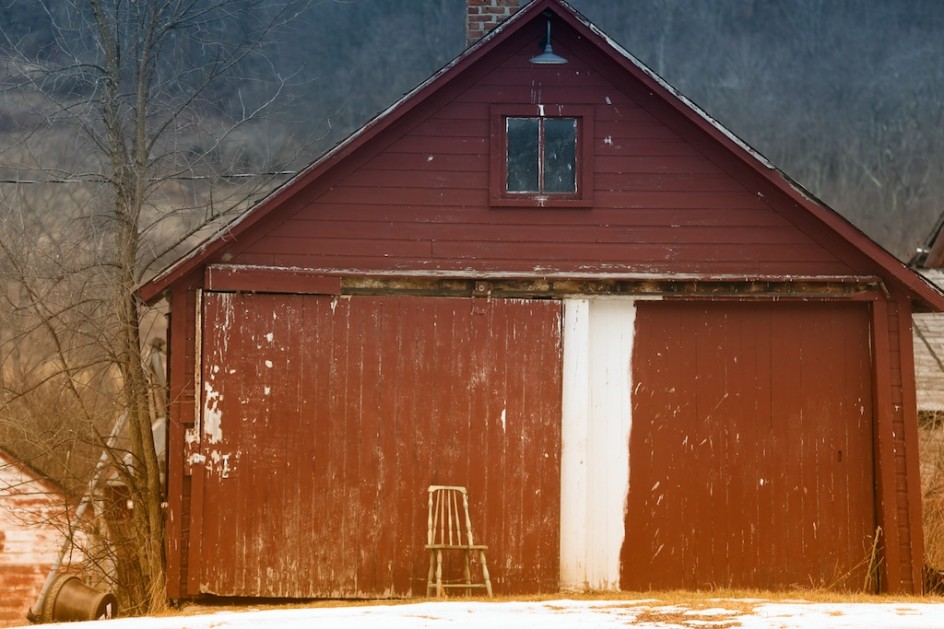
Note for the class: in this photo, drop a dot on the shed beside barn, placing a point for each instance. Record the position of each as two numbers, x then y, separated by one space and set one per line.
655 360
32 510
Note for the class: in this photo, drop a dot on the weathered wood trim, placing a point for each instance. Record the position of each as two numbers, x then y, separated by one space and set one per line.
177 333
857 288
909 411
886 498
195 470
270 280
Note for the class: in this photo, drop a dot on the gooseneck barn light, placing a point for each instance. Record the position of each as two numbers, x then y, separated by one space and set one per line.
548 58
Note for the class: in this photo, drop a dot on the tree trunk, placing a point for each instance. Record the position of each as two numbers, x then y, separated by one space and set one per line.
146 490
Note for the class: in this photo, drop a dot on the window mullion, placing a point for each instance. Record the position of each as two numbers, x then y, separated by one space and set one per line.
541 155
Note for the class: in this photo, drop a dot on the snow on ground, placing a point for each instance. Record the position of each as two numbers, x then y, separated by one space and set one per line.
564 614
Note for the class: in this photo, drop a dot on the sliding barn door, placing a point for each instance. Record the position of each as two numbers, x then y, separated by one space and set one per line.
751 460
324 419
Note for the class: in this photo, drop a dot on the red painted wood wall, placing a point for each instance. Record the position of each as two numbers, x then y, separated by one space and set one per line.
327 418
665 199
752 448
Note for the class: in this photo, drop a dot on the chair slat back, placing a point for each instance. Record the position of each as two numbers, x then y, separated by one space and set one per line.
448 514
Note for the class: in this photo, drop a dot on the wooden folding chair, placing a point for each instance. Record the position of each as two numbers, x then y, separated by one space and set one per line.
449 528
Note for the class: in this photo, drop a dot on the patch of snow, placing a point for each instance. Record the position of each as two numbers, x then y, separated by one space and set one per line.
560 614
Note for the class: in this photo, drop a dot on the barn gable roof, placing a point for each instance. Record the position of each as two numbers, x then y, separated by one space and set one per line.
893 271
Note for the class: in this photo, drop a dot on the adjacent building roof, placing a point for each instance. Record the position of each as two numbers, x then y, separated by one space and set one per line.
929 327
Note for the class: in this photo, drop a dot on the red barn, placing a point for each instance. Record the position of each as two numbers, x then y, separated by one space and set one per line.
655 360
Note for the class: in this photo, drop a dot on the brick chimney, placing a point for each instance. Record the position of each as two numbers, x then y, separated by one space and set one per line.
484 15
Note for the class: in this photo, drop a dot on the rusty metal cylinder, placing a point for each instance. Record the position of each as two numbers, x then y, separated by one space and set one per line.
68 599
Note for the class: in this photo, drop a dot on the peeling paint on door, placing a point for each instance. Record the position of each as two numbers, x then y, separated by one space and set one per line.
212 414
598 346
369 400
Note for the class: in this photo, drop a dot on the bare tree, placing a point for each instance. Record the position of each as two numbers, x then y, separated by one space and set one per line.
137 100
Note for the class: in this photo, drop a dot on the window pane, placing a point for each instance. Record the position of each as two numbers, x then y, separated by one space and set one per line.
522 155
560 155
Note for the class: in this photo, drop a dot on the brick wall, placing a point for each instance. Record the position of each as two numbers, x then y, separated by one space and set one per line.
484 15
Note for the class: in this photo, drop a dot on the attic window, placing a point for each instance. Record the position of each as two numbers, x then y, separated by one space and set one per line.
541 160
541 155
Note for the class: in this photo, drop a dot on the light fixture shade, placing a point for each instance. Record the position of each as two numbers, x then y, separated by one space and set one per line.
548 57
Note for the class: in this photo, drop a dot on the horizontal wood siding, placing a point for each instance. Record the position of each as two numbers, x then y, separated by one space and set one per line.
419 200
327 418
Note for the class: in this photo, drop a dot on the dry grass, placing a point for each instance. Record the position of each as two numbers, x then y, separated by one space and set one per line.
660 606
931 440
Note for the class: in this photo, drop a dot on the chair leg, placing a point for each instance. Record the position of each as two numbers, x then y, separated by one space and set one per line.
439 587
468 572
430 583
488 580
